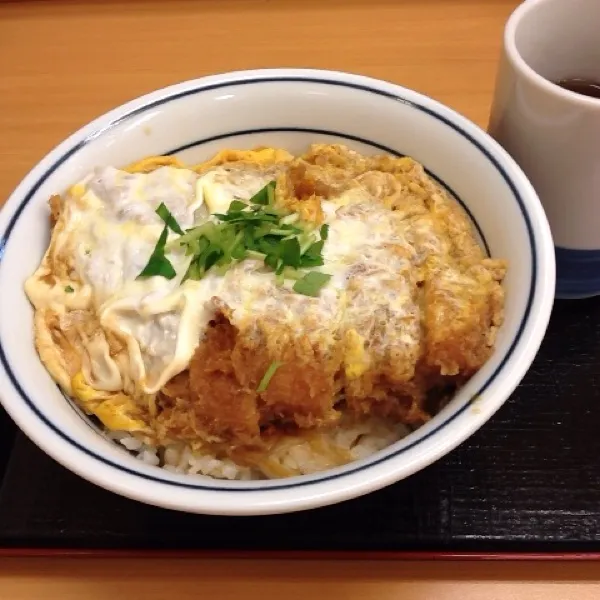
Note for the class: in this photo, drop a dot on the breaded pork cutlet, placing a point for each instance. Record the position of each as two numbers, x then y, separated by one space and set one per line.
417 313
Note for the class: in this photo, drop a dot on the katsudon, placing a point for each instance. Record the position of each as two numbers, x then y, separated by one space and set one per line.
263 315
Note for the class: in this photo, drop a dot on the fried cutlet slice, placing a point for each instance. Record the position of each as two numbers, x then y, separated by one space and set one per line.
217 397
303 389
462 312
422 319
206 401
383 344
223 407
55 203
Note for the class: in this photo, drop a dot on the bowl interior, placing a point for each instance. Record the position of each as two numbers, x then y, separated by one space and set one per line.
194 122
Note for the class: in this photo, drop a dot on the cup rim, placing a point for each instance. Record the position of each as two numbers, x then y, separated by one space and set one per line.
520 64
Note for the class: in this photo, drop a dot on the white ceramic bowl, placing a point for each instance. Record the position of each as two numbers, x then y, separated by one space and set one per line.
289 108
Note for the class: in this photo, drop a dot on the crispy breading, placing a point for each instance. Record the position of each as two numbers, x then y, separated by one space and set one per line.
462 311
403 403
387 387
219 391
223 407
456 301
303 389
298 193
409 327
55 204
207 401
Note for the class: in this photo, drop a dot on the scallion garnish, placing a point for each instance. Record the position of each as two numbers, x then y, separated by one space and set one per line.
159 264
257 230
311 283
266 379
237 206
289 253
265 196
163 212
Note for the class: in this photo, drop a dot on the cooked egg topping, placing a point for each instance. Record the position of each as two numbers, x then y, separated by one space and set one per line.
109 228
122 303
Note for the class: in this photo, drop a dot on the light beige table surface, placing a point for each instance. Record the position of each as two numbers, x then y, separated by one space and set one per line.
63 63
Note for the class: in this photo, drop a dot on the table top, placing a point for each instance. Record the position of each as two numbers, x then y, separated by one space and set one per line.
64 63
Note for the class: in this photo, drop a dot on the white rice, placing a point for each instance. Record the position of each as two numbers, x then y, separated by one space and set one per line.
359 440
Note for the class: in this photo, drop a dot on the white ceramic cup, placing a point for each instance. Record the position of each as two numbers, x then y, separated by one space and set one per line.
553 133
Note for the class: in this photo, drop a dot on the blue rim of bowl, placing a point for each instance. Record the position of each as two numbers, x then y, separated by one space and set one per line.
301 481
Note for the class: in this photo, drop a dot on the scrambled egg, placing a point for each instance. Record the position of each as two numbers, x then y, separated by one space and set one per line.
412 304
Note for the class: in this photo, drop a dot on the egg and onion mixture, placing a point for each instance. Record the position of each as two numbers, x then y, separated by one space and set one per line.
260 314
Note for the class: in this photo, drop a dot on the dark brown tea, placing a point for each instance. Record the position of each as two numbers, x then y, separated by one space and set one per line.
585 87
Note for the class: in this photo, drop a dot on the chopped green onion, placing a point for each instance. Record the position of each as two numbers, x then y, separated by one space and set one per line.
194 271
306 241
266 379
249 230
241 217
235 245
280 268
255 255
197 246
271 192
69 289
290 252
159 264
265 196
268 245
315 249
290 219
207 230
211 258
293 274
272 261
311 283
271 211
308 261
163 212
236 206
239 252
